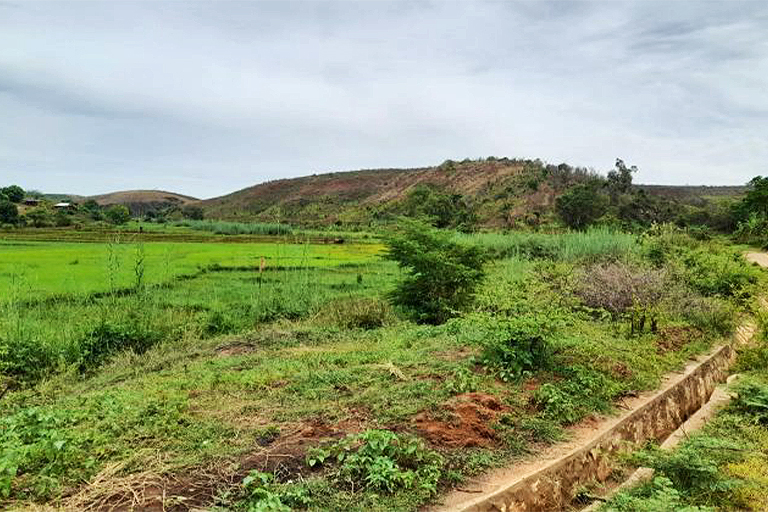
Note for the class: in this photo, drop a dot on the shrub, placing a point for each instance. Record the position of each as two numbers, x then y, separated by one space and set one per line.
25 357
515 347
357 313
381 460
659 496
107 339
707 313
752 400
580 392
693 467
441 274
715 270
620 288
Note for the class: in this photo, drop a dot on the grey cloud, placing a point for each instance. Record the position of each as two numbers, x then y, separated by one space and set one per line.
205 98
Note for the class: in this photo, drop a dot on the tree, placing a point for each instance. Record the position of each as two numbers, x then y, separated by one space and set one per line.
92 208
441 274
756 200
581 205
39 217
14 193
441 209
620 180
9 214
193 212
117 214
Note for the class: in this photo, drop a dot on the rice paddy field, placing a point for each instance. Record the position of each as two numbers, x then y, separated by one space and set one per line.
36 269
169 375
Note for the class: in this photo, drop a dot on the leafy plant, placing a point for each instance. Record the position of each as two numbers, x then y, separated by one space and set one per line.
441 273
106 339
462 381
381 460
516 346
580 392
658 496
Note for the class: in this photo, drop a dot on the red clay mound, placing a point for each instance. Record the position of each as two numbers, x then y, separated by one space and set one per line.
468 423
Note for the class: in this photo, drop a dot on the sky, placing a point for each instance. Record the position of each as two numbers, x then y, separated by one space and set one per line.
208 98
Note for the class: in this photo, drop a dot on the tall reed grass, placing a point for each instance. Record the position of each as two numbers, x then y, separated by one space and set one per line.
221 227
598 243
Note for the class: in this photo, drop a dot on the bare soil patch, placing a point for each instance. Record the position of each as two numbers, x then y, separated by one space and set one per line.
468 422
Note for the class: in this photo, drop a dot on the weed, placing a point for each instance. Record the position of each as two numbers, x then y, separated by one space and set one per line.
515 347
382 461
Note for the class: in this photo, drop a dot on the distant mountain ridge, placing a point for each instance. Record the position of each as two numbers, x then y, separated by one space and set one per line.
502 191
141 201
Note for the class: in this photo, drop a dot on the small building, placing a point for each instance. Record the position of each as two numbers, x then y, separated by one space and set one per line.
30 201
63 206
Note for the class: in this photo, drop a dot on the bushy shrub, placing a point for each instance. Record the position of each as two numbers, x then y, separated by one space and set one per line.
580 392
716 270
441 274
693 467
9 214
117 214
659 496
752 400
381 460
709 314
24 357
515 347
357 313
620 288
107 338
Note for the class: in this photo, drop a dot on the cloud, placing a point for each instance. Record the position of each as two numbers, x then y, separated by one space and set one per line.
205 98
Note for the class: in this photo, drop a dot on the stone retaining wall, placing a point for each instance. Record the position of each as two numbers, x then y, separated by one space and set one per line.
554 486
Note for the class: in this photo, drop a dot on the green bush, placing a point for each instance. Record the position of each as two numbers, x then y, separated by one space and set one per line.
441 274
106 339
515 347
580 392
693 467
752 400
381 460
24 356
716 270
117 214
659 496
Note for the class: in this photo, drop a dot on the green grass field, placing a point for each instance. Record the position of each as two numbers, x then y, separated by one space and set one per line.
207 370
35 269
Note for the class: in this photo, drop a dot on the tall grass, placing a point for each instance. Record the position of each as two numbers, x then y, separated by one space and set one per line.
221 227
598 243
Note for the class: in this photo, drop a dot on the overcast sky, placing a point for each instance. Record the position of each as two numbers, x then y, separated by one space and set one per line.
208 98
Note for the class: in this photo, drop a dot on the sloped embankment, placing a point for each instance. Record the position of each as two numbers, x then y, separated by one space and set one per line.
551 481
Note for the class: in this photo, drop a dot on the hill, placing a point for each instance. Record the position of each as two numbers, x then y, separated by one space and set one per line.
142 201
501 192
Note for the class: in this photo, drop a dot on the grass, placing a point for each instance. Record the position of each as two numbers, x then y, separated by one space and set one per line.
571 246
237 228
36 269
230 369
